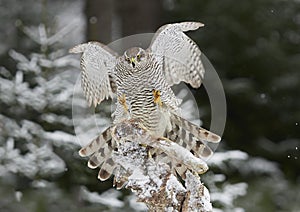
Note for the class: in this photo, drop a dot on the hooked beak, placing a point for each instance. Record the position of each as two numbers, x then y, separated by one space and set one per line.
132 61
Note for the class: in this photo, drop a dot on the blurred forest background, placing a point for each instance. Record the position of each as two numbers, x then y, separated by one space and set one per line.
253 45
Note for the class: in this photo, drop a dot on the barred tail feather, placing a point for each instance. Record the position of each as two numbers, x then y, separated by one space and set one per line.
101 155
96 144
191 137
197 131
190 142
107 169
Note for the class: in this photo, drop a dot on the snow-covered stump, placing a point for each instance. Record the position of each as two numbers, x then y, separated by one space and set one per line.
153 182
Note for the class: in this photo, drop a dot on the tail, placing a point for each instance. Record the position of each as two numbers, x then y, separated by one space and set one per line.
96 143
100 152
191 136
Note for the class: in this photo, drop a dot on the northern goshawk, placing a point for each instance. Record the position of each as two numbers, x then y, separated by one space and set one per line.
141 80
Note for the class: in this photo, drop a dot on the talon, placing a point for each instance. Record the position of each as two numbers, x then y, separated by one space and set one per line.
156 95
149 155
122 100
165 139
150 152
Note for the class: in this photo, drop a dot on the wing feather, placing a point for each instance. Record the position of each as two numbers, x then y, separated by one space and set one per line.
179 54
97 76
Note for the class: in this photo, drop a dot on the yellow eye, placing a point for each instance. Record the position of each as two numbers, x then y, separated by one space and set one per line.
138 56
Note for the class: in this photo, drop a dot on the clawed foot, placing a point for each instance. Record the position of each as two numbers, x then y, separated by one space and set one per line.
156 95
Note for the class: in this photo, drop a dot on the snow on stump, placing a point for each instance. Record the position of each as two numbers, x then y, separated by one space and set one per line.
154 182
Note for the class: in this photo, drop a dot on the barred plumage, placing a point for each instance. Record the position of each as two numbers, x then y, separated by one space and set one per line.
141 80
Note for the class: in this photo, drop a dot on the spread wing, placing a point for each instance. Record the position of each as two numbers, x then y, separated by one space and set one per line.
97 76
179 54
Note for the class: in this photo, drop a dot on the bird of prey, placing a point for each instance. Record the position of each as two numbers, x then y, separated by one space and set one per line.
141 80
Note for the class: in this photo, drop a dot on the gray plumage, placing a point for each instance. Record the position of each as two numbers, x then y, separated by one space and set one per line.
141 80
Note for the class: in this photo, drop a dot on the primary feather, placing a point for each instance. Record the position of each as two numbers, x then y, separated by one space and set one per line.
97 64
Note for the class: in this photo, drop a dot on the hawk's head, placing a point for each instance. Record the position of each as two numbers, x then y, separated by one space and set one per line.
135 58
